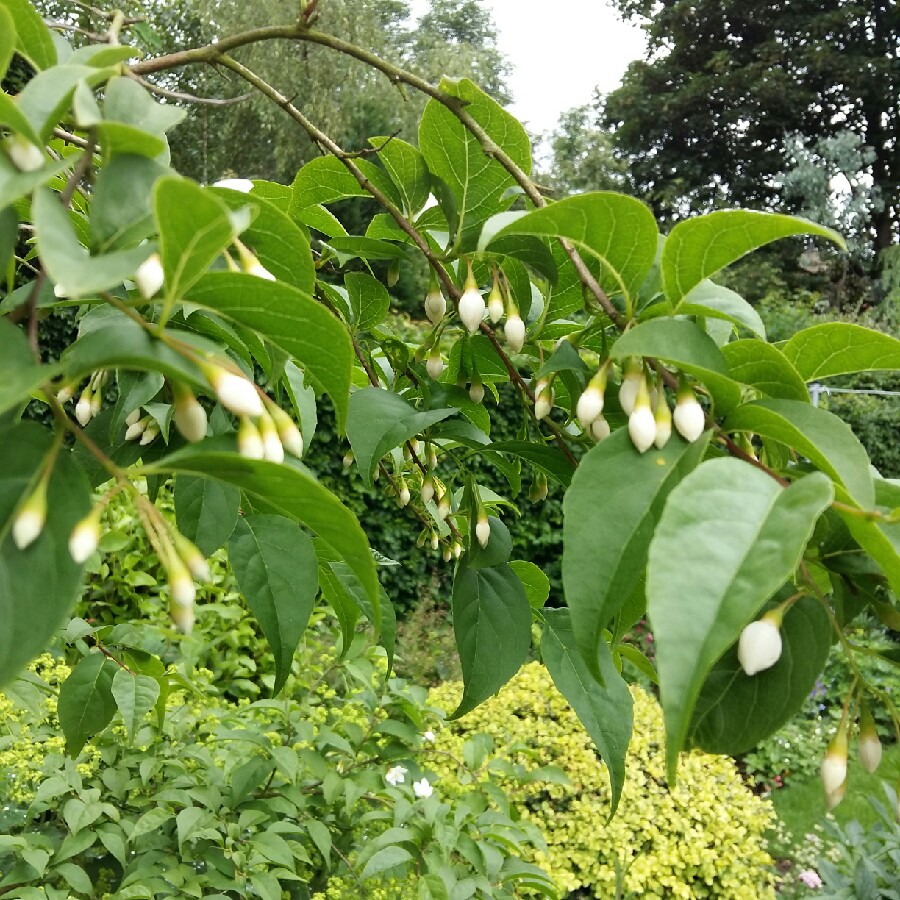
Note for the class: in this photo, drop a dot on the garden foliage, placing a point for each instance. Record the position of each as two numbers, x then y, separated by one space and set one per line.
253 297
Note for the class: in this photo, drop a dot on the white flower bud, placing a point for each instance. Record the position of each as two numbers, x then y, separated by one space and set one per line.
435 364
457 549
435 541
688 417
631 382
151 432
447 554
759 646
662 415
150 277
260 271
347 461
288 433
235 392
403 496
589 406
244 185
515 332
181 584
84 538
476 390
543 399
133 417
834 765
30 519
471 309
249 440
65 394
600 429
435 306
641 424
272 449
26 156
183 617
483 529
835 797
427 489
189 416
96 401
134 431
495 308
443 507
191 556
870 751
84 408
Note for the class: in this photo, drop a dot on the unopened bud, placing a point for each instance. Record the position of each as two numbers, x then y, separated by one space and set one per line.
443 508
403 495
65 394
181 584
662 415
869 747
759 646
25 156
435 305
514 330
435 364
632 378
189 415
435 541
471 304
476 390
236 393
495 302
133 417
590 403
457 549
84 408
249 440
272 449
347 461
85 536
688 417
151 432
288 432
834 764
543 399
150 277
447 554
641 424
134 431
427 489
191 556
251 265
538 490
183 617
483 528
30 519
600 429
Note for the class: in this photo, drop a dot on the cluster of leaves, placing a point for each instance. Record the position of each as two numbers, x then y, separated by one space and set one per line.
774 499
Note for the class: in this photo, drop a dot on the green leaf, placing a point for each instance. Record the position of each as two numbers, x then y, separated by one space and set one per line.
86 704
369 300
476 181
130 104
408 171
618 230
840 348
33 38
291 320
47 96
8 39
194 228
605 708
492 623
71 267
206 511
321 837
326 180
279 243
816 433
379 421
266 885
686 346
550 460
121 202
19 374
698 248
728 538
535 582
14 185
610 512
38 585
718 302
189 821
881 540
135 696
736 711
288 489
276 569
75 877
764 367
355 246
385 859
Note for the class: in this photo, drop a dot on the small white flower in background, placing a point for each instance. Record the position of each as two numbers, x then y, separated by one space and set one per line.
396 776
435 305
429 736
423 789
149 277
689 418
85 537
810 878
25 156
759 646
29 521
514 330
641 423
244 185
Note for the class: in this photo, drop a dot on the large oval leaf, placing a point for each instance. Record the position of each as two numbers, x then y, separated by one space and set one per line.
728 538
206 511
698 248
609 514
764 367
616 229
837 348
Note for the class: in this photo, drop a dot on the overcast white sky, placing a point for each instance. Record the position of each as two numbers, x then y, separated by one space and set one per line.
561 50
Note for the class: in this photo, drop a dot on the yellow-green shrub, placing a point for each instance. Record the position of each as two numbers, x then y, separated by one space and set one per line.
703 839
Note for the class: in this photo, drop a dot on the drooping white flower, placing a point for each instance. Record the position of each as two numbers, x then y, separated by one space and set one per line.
236 393
403 495
476 390
249 440
191 556
260 271
272 448
688 417
183 617
631 382
26 156
65 394
495 306
662 415
600 429
641 424
590 403
133 417
189 415
136 429
543 399
435 305
435 363
150 277
288 433
834 765
84 537
483 529
84 407
869 747
427 492
396 775
151 432
514 329
30 519
471 309
181 584
423 789
244 185
759 646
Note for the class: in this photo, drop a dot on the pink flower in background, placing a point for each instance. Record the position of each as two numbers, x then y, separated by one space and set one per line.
811 878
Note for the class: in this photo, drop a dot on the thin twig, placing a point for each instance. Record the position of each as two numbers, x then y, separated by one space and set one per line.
189 98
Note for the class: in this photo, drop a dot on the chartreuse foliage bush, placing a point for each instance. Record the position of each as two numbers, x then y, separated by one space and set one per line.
252 296
705 838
